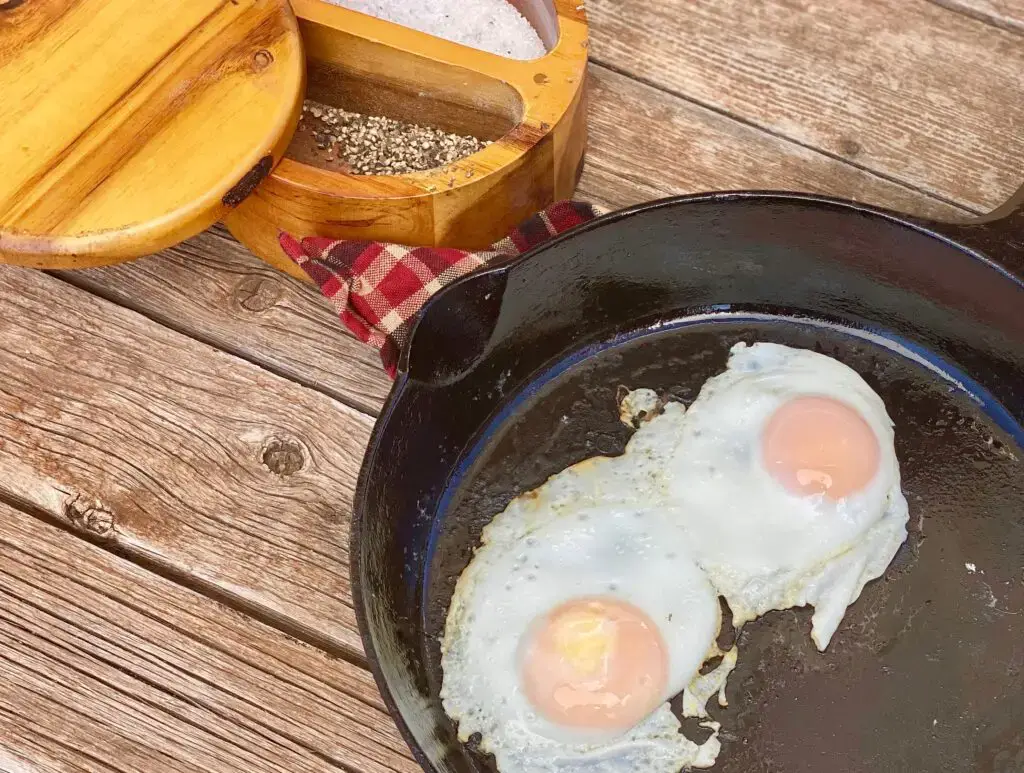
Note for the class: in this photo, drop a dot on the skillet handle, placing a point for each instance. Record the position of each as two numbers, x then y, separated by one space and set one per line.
999 235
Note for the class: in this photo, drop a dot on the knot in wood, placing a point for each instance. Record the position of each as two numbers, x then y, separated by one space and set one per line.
283 456
89 515
262 59
257 293
849 147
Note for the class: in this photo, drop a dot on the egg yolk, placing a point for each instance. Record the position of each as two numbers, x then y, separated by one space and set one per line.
595 663
816 445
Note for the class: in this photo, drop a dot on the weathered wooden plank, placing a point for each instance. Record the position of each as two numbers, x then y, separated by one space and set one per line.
646 143
1008 14
198 460
106 666
911 90
215 290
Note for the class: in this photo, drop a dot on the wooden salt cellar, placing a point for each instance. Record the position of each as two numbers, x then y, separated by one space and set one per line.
152 126
129 126
533 110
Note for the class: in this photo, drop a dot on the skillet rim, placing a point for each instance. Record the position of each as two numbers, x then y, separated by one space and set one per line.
924 226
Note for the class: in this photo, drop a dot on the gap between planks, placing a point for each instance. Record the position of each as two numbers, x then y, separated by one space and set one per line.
108 667
772 132
259 314
17 498
906 88
1004 14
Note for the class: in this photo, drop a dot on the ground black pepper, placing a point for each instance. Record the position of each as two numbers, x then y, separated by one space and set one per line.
370 144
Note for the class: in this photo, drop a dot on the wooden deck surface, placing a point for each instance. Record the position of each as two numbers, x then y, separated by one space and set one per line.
180 436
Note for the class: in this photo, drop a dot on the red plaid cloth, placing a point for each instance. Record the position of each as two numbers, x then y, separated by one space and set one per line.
378 288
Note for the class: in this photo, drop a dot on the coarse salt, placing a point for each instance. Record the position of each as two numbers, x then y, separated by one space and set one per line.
488 25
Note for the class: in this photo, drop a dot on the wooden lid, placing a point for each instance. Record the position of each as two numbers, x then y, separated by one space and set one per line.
130 125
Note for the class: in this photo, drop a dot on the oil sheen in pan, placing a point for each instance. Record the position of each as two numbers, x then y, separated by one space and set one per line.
924 660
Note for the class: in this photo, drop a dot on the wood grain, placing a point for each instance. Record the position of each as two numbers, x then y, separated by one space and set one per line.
906 88
179 454
214 289
670 146
127 130
108 667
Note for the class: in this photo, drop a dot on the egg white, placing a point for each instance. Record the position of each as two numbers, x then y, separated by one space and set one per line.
535 557
762 546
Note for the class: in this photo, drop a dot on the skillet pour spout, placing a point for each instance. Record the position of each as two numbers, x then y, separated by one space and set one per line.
511 375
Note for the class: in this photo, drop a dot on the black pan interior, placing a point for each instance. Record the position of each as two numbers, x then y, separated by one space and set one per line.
927 671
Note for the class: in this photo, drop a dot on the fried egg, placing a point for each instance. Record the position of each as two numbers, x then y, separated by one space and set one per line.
571 628
593 599
784 476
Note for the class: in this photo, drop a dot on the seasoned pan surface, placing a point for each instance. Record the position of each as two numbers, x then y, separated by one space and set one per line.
926 672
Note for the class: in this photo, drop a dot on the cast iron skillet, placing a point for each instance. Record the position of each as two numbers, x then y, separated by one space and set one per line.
511 375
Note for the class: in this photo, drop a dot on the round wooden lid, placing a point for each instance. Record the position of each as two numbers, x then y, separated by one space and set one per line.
127 126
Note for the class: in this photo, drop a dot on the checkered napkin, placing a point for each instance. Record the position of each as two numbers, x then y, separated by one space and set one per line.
377 288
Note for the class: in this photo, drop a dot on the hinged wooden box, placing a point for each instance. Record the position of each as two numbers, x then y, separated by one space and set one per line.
130 126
